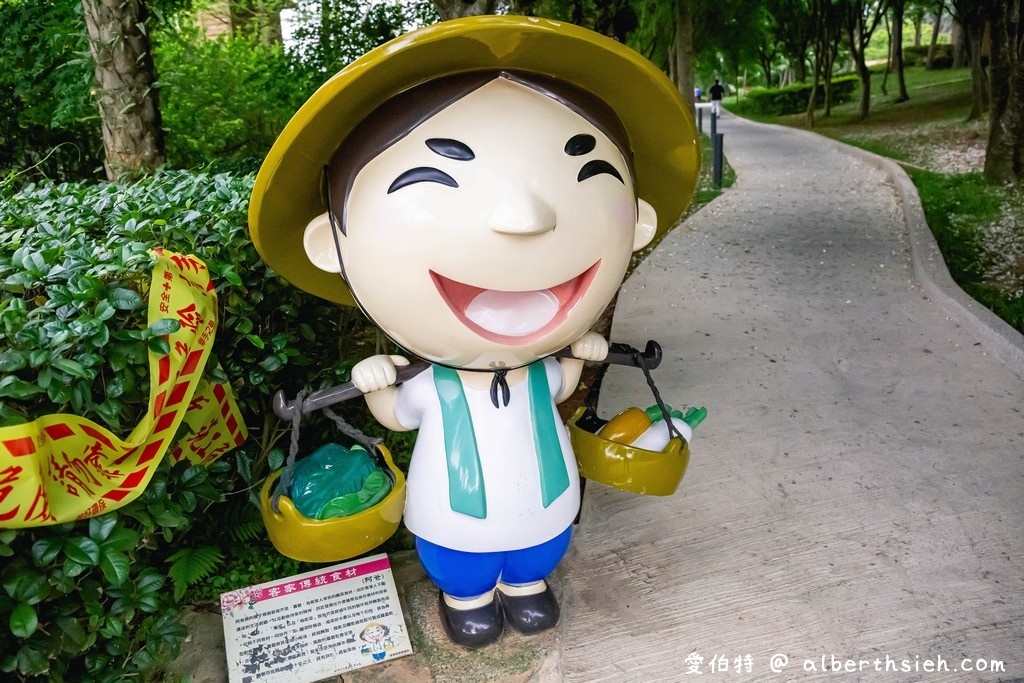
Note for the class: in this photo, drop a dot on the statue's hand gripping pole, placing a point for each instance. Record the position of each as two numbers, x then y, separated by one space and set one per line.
618 354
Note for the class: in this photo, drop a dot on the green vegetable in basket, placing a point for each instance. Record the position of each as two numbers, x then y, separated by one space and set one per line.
334 481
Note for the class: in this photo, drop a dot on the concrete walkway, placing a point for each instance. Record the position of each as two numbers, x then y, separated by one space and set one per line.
857 490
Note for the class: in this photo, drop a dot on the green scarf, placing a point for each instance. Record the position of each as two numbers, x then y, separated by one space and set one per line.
466 492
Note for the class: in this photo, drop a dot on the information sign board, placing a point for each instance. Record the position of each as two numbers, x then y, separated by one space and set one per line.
314 625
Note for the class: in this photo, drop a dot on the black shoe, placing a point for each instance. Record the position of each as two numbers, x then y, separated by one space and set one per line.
529 614
472 628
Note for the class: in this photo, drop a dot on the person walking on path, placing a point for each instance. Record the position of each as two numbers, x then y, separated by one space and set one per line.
716 91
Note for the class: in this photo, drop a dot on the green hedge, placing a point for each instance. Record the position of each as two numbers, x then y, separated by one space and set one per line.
793 98
918 56
92 600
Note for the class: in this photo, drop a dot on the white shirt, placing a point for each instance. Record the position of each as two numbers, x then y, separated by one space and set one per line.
516 517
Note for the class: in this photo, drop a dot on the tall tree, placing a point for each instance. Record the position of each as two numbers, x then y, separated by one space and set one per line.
791 25
973 15
129 109
767 51
897 48
1004 157
916 11
827 20
936 29
683 54
860 19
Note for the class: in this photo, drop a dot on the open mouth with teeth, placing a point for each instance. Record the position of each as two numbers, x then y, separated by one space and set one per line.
513 317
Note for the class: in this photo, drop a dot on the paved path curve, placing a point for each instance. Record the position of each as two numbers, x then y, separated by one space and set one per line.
857 488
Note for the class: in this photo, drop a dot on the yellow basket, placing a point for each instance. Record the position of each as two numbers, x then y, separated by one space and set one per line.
333 540
651 473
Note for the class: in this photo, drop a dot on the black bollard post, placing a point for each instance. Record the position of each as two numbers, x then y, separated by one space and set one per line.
716 169
714 125
700 120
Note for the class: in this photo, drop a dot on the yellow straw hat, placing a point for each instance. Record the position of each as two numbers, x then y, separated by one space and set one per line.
287 192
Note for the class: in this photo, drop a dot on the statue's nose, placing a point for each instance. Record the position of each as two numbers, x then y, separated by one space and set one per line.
522 214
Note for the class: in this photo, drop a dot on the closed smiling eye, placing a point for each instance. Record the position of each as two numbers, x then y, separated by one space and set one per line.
597 167
423 174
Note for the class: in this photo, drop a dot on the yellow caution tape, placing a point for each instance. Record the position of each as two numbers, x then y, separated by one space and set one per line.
63 467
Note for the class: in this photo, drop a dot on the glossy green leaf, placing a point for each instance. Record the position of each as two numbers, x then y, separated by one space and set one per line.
23 620
104 310
83 551
26 585
73 569
32 661
75 637
101 527
12 360
45 550
115 566
149 581
15 387
124 299
120 539
159 345
272 363
169 518
163 326
72 367
117 646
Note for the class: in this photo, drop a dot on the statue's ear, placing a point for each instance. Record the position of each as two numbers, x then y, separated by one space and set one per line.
318 241
646 225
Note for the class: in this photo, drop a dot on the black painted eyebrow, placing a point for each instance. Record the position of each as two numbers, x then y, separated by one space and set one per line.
451 149
581 144
422 174
597 167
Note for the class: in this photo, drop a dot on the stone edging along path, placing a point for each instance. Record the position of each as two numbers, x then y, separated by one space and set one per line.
930 269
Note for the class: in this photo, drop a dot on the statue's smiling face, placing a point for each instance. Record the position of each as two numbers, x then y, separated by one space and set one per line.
495 232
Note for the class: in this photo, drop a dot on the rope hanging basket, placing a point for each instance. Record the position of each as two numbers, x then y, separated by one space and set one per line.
619 465
335 539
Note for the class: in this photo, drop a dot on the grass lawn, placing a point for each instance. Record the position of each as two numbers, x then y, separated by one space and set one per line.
979 226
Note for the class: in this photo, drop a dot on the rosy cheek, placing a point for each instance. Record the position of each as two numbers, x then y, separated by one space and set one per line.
626 213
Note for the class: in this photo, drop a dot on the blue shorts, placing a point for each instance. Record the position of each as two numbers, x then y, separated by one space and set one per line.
463 574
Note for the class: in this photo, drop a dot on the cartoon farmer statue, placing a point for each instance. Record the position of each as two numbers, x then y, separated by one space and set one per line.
477 188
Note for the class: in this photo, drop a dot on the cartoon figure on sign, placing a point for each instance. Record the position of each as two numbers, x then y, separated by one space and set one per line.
477 188
378 641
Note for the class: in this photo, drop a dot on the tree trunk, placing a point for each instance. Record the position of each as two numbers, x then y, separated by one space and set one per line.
799 65
820 46
682 52
1004 156
897 49
864 73
979 79
961 47
971 16
129 109
936 27
853 35
766 66
888 59
453 9
861 18
831 56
